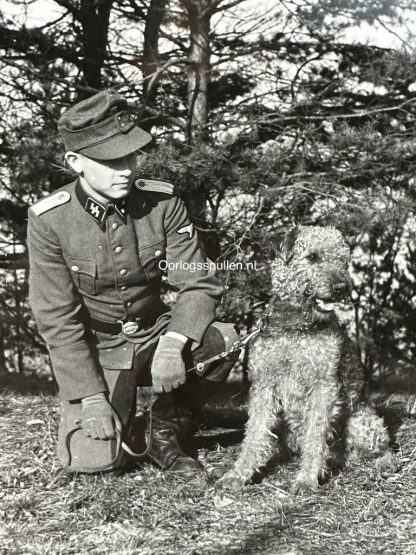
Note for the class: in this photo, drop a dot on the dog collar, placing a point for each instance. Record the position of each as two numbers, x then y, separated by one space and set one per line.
289 317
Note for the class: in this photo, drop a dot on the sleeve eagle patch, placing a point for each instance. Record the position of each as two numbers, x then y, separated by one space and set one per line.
187 229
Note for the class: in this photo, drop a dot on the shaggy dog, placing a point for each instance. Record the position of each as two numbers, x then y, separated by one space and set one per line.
308 382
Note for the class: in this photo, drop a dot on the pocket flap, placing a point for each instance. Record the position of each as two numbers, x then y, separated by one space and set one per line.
156 251
81 265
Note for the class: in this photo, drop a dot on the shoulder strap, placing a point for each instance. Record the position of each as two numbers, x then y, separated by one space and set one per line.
155 186
51 202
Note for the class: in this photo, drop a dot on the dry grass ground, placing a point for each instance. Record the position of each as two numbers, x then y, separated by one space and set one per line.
148 512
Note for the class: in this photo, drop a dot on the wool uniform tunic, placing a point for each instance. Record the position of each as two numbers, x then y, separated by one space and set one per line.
90 261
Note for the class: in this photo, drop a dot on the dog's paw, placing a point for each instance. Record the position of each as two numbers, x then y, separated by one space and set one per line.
387 463
304 484
232 480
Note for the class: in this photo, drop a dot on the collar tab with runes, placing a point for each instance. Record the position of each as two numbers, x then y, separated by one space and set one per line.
96 209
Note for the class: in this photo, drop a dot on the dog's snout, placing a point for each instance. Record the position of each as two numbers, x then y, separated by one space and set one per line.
340 287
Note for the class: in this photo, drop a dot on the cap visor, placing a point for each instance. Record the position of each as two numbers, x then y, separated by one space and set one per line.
118 146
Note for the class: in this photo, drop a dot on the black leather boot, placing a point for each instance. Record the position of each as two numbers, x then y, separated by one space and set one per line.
171 424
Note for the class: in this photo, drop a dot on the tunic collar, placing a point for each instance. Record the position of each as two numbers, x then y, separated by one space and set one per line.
97 210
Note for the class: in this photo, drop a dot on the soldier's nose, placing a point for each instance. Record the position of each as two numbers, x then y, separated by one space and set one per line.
340 287
125 172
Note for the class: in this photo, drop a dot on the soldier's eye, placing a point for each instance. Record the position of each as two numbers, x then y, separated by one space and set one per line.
313 257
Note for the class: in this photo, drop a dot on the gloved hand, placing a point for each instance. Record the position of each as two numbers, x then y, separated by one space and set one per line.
99 421
168 367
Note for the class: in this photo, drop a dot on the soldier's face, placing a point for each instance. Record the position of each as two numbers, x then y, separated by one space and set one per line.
110 178
106 179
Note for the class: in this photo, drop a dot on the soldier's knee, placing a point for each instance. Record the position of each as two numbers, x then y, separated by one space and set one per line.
229 333
221 337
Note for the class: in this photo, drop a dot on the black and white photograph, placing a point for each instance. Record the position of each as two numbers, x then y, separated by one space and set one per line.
208 277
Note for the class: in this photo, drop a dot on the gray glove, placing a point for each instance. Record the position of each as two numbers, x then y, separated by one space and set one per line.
168 367
99 421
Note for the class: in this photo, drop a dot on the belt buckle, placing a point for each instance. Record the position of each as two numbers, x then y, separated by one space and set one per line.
128 328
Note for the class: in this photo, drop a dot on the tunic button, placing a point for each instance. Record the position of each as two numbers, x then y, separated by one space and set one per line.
158 252
129 304
75 268
118 249
123 287
114 225
123 272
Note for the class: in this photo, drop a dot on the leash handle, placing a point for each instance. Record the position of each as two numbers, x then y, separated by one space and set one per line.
144 453
120 444
99 468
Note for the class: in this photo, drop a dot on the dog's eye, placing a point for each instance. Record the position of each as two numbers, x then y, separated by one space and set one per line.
313 257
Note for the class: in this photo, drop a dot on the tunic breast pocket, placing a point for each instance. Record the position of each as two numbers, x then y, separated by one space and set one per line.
152 258
84 273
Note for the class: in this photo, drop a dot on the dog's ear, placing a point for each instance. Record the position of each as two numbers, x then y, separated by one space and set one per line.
274 243
289 242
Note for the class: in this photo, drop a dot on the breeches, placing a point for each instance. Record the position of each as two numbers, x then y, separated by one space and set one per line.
79 452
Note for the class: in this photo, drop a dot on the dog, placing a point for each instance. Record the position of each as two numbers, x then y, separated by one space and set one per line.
308 391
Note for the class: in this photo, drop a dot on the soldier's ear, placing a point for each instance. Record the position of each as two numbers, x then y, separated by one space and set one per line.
73 159
289 242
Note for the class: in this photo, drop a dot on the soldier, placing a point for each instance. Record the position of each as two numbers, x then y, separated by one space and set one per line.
95 251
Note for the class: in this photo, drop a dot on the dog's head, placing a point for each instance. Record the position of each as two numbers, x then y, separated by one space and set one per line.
310 267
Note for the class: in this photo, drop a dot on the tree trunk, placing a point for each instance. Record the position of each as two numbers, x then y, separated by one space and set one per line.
199 15
151 61
94 18
3 367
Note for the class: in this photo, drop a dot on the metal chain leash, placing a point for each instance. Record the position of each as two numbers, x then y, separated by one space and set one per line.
260 325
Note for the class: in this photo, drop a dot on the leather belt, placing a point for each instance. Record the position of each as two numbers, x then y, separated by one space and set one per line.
128 328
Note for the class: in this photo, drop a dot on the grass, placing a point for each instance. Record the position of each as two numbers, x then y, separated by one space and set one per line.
148 512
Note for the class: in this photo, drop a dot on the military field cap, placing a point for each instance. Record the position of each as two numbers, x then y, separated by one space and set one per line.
101 127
